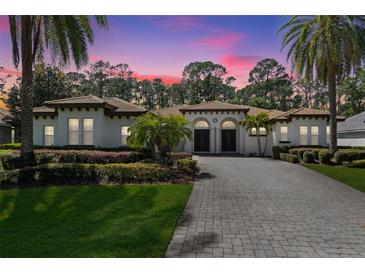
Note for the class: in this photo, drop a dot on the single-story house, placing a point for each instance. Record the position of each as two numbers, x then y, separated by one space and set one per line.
7 129
351 132
104 122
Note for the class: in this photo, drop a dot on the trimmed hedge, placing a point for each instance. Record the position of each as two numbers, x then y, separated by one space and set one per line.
95 173
44 156
358 164
276 150
173 157
308 157
11 146
315 154
349 155
324 156
289 157
186 166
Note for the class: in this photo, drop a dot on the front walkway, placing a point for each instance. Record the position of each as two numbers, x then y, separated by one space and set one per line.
252 207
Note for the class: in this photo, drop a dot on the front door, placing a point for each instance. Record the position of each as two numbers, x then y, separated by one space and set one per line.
228 140
201 140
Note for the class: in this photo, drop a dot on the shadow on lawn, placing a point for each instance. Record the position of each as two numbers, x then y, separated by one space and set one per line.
87 221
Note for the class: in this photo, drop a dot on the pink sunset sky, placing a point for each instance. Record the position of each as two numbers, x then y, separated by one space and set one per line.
161 46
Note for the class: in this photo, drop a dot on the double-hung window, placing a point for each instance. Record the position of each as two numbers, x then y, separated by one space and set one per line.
73 131
303 133
284 134
88 131
262 131
328 134
314 135
48 135
124 135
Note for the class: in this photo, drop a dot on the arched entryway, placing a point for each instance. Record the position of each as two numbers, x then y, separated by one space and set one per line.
228 137
201 136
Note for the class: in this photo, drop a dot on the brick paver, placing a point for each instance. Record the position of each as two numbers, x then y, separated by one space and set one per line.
252 207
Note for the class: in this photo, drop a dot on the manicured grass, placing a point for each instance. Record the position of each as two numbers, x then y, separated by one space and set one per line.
90 221
354 177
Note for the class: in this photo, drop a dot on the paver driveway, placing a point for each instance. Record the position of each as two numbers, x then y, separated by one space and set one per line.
252 207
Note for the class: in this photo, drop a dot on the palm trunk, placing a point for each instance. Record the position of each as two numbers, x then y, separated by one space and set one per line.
331 79
26 92
258 141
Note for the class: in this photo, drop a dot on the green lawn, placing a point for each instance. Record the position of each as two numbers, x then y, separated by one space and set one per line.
90 221
354 177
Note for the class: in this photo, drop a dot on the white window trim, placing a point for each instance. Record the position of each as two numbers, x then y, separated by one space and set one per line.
306 136
78 131
122 136
282 139
87 131
314 135
44 135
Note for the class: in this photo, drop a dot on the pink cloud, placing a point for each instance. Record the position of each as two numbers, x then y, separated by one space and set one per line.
94 58
10 72
4 24
226 40
167 79
239 62
177 23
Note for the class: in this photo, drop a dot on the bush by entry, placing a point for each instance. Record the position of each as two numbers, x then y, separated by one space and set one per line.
90 221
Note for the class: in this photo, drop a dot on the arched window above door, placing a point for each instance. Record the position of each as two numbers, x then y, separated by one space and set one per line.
201 124
228 125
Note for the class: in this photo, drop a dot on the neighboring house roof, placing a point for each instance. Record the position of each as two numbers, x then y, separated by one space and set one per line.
174 110
114 106
214 106
354 123
5 117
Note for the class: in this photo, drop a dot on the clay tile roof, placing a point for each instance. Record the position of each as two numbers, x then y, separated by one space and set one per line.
89 99
309 112
214 105
43 110
123 106
174 110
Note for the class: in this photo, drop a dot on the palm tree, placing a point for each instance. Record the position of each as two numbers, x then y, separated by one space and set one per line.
65 36
159 132
326 48
256 122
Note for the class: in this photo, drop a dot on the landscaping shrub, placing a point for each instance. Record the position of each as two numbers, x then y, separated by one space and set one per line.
289 157
188 167
341 156
308 157
315 154
173 157
95 173
11 146
358 164
324 156
44 156
349 155
276 150
293 151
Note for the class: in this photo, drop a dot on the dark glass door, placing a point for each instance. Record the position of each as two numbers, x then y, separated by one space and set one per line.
228 140
201 140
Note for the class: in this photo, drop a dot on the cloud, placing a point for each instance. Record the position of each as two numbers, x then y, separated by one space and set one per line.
239 62
167 79
4 24
10 72
220 41
177 23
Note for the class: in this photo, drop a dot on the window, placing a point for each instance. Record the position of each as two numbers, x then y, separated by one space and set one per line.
284 134
314 135
202 124
12 135
228 125
88 132
328 134
48 135
73 131
262 131
124 133
303 131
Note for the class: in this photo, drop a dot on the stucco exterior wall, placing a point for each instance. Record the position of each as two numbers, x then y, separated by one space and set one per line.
112 131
